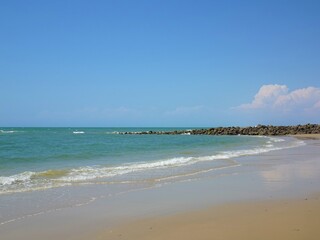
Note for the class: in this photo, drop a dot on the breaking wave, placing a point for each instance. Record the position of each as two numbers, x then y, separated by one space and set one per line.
30 181
7 131
78 132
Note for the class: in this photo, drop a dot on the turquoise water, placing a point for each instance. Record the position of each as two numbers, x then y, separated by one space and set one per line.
42 158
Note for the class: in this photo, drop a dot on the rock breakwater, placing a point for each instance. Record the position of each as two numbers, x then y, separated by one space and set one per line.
262 130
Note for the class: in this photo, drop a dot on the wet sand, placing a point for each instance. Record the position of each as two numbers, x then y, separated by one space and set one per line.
281 219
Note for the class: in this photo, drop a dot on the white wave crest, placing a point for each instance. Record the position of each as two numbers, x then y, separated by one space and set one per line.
7 131
78 132
276 139
90 173
186 133
16 179
29 181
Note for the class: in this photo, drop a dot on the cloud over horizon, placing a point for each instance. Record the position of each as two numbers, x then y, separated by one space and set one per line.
279 98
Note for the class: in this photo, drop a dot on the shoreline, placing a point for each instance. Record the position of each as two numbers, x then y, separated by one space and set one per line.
269 178
307 136
277 217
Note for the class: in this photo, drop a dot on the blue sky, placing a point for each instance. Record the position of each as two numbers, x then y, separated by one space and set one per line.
159 63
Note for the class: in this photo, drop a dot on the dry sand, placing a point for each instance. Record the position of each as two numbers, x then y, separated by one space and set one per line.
307 136
278 219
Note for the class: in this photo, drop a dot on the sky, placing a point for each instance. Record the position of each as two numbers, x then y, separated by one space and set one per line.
159 63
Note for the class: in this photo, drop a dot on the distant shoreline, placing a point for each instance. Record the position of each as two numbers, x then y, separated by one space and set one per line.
259 130
307 136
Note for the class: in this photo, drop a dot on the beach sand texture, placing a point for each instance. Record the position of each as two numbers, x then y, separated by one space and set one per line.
308 136
281 219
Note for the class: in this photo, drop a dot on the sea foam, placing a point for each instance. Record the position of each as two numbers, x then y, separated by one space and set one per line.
7 131
29 181
78 132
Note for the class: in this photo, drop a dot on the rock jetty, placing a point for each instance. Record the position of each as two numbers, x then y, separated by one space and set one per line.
262 130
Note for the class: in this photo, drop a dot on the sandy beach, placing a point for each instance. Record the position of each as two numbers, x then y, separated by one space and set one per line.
273 195
159 120
282 219
293 218
307 136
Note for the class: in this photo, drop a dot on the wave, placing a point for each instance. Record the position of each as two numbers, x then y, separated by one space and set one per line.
186 133
113 132
15 179
30 181
78 132
7 131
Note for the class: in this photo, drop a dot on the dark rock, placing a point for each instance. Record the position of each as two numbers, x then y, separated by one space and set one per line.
261 130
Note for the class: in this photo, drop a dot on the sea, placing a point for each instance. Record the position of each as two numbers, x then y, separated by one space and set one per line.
47 169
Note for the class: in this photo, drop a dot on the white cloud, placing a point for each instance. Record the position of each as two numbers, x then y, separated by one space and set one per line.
278 97
266 96
305 97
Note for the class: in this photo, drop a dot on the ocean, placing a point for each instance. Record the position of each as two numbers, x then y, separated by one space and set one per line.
33 159
48 169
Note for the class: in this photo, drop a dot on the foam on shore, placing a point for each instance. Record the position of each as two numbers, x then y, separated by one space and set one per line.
31 181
